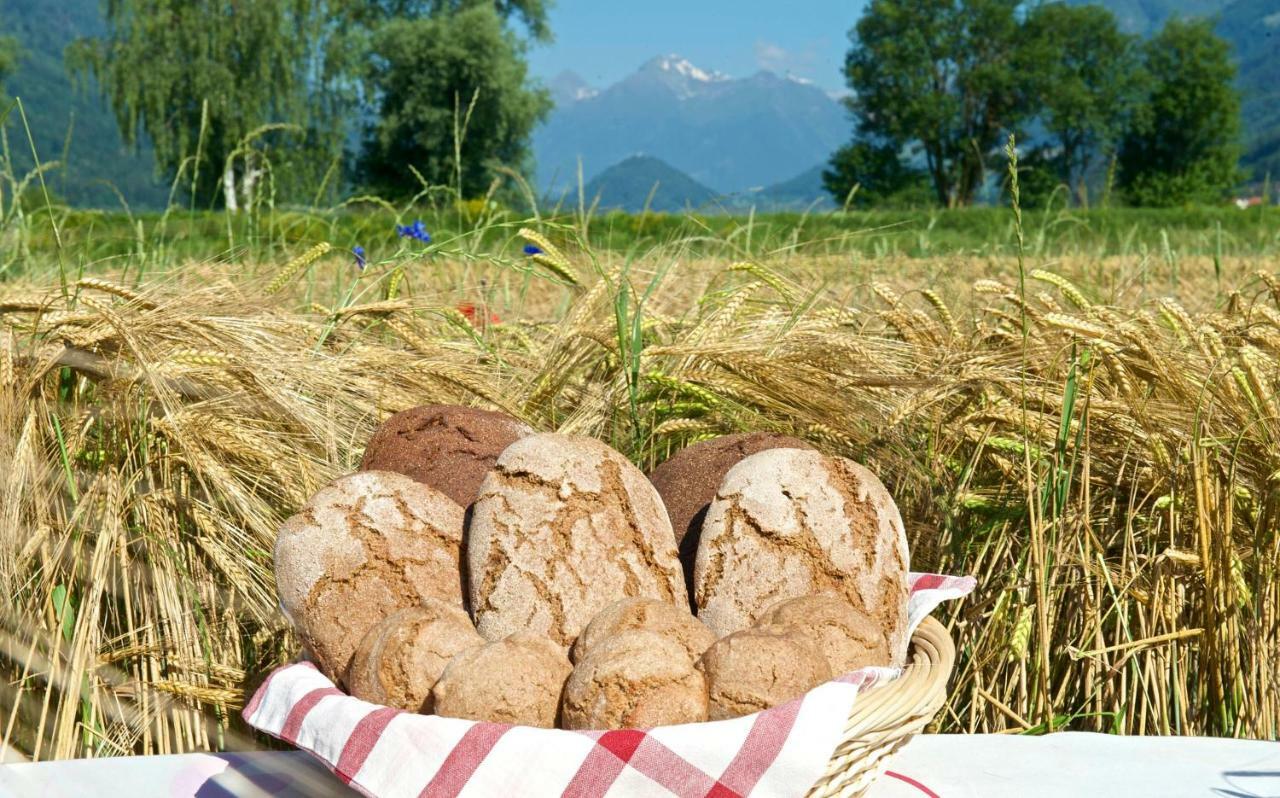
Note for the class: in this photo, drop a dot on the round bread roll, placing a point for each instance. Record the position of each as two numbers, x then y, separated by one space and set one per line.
687 482
790 522
847 639
758 668
364 546
400 659
634 680
563 527
517 680
672 622
446 447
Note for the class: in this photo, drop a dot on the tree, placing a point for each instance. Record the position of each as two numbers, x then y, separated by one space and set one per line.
206 77
866 174
1184 143
456 78
946 78
198 77
1091 79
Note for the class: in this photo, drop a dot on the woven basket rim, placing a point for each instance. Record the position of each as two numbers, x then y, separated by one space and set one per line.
886 716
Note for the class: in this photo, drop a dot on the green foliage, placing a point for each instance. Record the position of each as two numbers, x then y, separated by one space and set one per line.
1184 144
864 175
8 57
200 77
1091 78
449 85
944 77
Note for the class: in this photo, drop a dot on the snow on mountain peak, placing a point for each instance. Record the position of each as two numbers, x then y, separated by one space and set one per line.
684 68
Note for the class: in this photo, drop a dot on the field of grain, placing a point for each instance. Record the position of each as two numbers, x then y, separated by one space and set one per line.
1092 434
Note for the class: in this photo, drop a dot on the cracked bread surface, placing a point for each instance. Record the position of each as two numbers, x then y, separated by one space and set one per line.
847 639
446 447
687 482
668 620
787 523
635 679
364 546
755 669
563 527
517 680
399 660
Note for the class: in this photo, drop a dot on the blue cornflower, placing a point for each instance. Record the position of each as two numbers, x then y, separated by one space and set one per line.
417 230
361 262
530 249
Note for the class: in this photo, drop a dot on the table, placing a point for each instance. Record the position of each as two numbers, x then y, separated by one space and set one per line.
947 766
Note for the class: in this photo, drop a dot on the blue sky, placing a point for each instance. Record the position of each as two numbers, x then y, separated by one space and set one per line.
605 40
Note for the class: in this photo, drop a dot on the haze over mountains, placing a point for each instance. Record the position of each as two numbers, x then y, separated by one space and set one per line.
729 134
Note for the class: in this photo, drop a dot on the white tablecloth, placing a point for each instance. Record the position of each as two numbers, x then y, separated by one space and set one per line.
947 766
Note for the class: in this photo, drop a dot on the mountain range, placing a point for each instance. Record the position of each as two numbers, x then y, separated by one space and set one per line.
729 134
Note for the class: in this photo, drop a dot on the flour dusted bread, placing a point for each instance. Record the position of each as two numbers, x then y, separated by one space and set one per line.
759 668
787 523
517 680
400 659
446 447
363 547
687 481
634 680
847 639
673 622
563 527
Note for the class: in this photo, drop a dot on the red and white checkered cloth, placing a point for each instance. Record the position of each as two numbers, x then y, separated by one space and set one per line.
388 753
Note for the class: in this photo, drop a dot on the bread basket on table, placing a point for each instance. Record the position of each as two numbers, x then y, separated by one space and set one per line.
832 741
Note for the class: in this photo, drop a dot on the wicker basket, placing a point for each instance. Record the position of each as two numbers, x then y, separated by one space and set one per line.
886 717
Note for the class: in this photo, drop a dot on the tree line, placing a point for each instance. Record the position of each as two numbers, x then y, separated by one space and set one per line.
306 99
939 85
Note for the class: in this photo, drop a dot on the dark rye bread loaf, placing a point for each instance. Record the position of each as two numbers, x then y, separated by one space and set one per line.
788 523
688 480
563 527
363 547
447 447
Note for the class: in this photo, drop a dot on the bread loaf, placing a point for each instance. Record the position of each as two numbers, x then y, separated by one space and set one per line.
787 523
400 659
363 547
759 668
564 526
517 680
446 447
634 680
650 615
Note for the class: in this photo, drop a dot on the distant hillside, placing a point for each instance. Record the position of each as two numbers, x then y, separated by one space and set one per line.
1253 29
1145 16
732 135
643 181
96 156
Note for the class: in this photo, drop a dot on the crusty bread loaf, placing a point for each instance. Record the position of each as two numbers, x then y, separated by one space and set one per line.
672 622
400 659
847 639
687 482
564 526
446 447
634 680
755 669
364 546
517 680
787 523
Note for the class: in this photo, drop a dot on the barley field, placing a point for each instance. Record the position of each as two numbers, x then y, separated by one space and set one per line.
1089 425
